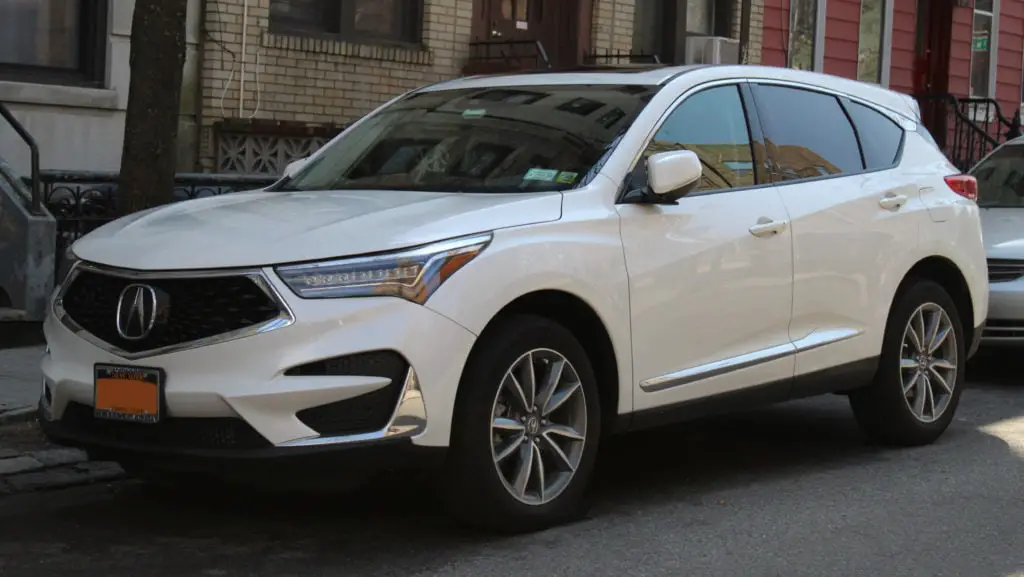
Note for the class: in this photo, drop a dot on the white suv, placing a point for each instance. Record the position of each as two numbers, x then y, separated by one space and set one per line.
494 273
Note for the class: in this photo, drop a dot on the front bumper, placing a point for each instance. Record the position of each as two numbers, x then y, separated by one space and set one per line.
232 401
1005 323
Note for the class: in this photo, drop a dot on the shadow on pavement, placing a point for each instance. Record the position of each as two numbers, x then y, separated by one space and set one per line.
799 475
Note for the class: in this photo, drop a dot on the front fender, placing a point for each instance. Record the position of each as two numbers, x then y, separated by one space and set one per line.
584 259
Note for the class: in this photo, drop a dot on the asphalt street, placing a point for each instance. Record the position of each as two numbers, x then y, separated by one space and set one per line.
787 491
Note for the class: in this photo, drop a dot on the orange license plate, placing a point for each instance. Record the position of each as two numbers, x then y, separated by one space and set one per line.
128 393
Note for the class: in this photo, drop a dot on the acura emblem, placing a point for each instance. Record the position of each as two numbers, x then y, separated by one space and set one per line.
136 312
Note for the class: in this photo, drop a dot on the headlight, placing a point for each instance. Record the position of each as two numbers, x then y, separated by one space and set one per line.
412 274
64 264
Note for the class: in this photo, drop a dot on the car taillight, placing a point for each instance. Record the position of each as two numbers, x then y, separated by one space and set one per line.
964 185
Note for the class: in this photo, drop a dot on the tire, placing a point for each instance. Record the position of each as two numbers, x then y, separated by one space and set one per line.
884 412
479 492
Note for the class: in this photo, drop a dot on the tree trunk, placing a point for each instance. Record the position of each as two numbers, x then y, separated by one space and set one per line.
154 99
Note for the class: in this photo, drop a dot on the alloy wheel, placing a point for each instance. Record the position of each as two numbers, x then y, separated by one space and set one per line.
928 362
538 426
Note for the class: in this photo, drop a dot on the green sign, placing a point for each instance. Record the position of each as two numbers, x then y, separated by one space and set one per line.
979 43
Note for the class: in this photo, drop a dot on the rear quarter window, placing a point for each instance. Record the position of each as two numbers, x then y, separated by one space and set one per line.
880 138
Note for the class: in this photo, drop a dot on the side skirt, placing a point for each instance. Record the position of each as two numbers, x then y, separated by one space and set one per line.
839 379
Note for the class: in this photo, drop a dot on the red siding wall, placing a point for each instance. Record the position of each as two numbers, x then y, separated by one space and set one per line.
842 37
1011 42
904 38
960 53
775 41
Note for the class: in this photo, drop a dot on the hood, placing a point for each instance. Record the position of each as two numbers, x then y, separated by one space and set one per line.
1003 232
265 228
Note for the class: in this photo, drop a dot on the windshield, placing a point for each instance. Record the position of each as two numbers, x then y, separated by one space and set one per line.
495 139
1001 178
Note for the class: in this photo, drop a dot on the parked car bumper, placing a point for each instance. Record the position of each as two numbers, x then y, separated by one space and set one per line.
237 403
1005 324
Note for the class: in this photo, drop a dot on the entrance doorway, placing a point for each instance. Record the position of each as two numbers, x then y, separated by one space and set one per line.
931 64
525 33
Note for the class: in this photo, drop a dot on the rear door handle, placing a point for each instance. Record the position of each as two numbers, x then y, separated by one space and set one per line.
892 201
767 227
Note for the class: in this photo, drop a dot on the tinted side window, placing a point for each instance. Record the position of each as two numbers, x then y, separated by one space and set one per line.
880 138
807 133
712 124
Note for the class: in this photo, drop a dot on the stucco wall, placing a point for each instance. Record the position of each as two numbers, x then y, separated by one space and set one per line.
82 128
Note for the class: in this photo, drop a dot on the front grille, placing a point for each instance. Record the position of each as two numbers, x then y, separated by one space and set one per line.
197 308
1004 269
366 413
217 433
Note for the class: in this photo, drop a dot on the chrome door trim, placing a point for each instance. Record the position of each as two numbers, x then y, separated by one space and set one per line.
815 340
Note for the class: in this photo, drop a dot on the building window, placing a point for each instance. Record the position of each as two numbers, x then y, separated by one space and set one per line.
648 28
869 51
803 24
53 41
353 20
981 48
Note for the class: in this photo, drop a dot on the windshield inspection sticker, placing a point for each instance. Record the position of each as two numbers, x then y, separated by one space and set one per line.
474 113
566 177
540 174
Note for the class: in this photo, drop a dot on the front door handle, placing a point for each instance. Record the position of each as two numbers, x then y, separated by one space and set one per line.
767 227
892 201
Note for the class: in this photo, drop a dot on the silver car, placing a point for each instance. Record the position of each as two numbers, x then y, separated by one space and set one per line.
1000 178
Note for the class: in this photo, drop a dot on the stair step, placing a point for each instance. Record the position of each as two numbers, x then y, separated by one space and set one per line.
12 315
17 331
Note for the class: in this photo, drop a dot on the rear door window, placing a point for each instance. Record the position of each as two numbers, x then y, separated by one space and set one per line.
807 133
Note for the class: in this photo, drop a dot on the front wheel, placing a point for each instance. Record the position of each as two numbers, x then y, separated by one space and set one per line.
526 429
920 373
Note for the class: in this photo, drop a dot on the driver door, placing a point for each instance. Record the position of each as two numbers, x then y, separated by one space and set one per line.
710 277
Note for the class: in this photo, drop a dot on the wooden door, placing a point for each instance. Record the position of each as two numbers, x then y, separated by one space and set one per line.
931 65
513 26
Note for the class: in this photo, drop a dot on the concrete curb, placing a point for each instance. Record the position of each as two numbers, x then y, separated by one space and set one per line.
51 469
18 415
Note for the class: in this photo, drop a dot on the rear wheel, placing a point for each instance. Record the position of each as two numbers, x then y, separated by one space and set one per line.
921 371
526 429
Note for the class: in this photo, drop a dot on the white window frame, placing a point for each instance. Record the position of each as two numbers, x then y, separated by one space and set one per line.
818 50
993 50
884 43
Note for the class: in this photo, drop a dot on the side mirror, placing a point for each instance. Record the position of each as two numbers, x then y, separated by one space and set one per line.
672 175
295 166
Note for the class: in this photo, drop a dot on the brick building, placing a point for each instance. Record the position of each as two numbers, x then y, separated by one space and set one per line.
305 67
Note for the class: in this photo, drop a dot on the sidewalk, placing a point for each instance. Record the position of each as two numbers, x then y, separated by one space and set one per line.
27 461
19 382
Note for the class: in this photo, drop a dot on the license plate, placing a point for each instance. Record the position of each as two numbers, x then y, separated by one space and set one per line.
127 393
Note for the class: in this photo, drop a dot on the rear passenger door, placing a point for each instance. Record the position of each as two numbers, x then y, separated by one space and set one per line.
855 217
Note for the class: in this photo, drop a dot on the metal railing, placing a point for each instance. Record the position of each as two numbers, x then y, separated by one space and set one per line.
620 57
33 147
82 201
506 55
966 129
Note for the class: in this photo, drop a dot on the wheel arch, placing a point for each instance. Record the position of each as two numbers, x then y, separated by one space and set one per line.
948 275
585 323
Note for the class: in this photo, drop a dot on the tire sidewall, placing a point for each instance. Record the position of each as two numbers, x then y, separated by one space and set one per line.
471 433
918 294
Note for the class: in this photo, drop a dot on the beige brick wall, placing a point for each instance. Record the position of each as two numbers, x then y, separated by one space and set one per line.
612 26
312 80
756 29
317 81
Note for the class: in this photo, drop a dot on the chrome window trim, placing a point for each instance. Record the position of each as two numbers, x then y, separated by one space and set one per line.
904 122
815 340
284 318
